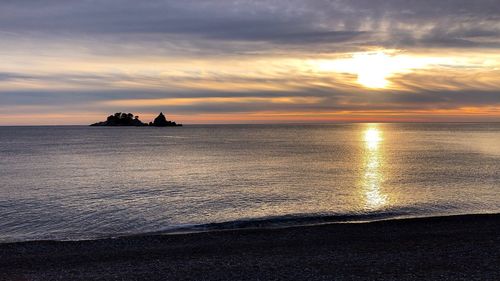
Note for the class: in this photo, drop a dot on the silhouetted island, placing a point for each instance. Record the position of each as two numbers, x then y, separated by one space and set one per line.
129 119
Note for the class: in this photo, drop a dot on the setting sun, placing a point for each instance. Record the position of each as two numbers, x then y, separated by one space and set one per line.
373 69
378 69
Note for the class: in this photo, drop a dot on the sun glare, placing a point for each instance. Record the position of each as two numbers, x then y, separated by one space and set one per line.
373 177
373 69
372 138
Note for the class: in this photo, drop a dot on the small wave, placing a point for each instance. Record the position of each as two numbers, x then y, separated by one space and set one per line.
291 220
282 222
267 222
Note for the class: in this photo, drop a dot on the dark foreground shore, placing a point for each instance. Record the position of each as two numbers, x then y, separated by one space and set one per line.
442 248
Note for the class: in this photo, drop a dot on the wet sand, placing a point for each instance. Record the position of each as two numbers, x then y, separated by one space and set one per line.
441 248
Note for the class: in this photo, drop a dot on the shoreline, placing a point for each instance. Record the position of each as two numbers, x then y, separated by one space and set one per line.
264 223
459 247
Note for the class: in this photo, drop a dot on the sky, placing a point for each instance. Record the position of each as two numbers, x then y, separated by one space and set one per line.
262 61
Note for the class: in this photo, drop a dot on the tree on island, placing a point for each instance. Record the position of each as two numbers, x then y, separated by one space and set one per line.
121 119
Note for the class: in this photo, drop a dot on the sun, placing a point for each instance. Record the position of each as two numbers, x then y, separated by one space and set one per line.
373 69
376 70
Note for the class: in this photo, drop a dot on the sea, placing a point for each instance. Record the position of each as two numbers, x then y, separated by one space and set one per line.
79 182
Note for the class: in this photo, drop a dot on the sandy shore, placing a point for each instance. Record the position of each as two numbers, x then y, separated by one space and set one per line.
444 248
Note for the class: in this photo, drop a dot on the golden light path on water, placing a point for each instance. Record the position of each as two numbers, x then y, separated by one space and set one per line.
372 176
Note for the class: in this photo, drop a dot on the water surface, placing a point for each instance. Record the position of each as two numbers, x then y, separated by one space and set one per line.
91 182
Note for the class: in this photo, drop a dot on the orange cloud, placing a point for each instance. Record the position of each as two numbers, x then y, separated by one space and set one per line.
210 100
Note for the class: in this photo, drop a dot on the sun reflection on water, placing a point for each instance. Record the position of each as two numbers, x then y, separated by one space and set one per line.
373 177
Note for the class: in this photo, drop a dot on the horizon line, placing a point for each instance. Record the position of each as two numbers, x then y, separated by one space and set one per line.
273 123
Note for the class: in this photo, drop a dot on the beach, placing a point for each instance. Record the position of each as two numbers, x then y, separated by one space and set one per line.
465 247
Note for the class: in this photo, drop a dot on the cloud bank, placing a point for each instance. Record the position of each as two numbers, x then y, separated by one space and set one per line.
249 61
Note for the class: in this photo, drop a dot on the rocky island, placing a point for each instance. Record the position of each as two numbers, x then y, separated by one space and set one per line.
129 119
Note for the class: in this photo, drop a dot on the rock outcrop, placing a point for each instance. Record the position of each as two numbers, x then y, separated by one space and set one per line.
161 121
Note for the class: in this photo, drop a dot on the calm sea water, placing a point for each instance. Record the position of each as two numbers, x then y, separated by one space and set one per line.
87 182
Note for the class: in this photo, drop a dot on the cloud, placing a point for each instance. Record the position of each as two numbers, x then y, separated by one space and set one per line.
455 23
232 56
